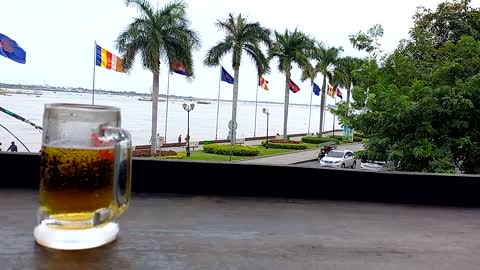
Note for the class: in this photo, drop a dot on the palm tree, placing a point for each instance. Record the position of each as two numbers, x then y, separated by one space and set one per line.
240 36
290 47
310 72
326 60
162 34
346 67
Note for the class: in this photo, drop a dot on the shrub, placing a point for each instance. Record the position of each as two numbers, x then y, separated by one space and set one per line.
284 145
224 149
317 140
357 139
180 155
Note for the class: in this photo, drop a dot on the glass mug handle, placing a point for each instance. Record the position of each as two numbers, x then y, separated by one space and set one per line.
122 169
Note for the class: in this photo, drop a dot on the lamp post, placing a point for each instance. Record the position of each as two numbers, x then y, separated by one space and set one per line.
265 111
188 108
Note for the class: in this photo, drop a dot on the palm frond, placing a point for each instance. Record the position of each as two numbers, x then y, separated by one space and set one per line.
216 53
240 36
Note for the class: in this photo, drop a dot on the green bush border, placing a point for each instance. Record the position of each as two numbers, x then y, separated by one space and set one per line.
297 146
224 149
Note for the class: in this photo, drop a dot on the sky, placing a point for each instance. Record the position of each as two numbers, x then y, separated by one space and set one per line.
59 37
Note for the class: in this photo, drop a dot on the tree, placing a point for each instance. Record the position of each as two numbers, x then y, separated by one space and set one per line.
288 48
368 41
423 102
326 60
241 36
156 35
449 22
346 68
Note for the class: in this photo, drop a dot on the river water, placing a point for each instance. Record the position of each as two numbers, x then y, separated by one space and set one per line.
136 118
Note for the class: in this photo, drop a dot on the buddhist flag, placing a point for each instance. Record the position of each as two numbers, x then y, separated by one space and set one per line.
106 59
330 91
10 49
316 89
180 68
339 93
263 83
293 87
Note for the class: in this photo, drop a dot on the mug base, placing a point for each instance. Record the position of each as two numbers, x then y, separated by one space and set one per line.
75 239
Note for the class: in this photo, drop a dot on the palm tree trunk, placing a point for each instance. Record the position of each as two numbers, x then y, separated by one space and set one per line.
234 102
322 105
153 138
349 86
285 104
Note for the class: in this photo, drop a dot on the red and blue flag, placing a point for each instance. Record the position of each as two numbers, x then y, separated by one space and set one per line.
10 49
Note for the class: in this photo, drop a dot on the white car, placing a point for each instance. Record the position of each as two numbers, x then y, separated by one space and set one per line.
375 165
339 159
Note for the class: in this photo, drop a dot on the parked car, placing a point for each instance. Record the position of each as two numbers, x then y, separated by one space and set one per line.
339 159
374 165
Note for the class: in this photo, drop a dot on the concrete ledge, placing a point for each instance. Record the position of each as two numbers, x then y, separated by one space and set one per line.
236 179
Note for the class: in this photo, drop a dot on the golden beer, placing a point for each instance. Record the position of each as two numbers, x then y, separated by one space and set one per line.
74 183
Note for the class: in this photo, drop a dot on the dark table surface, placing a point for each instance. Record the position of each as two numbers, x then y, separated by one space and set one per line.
175 232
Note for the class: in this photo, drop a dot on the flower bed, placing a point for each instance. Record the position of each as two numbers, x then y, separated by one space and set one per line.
146 153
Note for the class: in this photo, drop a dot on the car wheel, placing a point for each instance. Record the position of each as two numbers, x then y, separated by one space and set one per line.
343 165
354 164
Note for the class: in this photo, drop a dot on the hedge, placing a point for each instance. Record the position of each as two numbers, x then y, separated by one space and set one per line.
224 149
299 146
317 140
180 155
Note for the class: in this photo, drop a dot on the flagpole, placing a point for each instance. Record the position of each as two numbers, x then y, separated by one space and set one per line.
218 103
94 64
256 106
310 113
166 114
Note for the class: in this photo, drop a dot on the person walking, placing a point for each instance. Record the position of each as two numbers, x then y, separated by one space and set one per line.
180 138
0 147
12 147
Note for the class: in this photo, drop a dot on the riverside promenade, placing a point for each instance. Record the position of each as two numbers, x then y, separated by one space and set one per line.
289 158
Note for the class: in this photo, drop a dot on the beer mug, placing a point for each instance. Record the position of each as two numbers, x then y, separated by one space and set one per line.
85 176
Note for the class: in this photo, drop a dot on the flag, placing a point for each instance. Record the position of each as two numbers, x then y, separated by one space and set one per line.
339 93
263 83
226 77
293 87
180 68
10 49
106 59
330 91
316 89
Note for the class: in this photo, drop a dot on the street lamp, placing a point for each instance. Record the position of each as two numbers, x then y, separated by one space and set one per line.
188 108
265 111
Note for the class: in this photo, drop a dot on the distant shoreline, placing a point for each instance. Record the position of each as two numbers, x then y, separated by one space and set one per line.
4 86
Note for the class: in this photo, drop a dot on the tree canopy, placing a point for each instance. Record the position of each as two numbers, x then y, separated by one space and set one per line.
420 105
